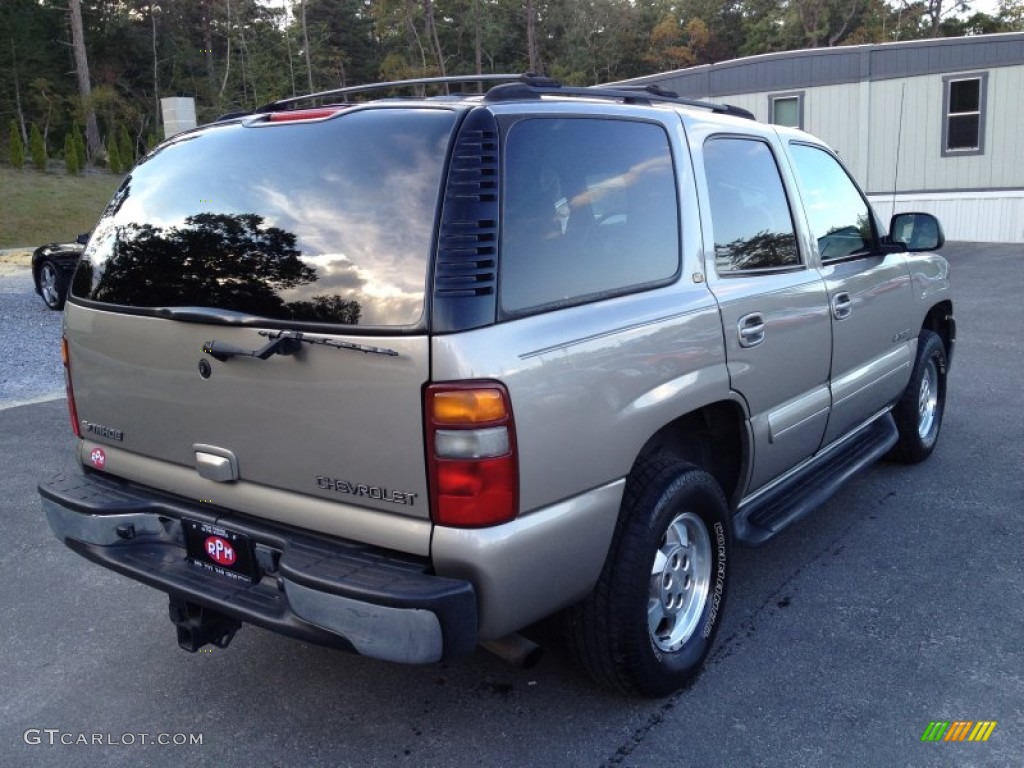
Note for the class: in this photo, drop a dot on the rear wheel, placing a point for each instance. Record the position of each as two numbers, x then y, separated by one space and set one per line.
51 285
919 411
651 619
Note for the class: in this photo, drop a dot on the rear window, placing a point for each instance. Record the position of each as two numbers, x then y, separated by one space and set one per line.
326 222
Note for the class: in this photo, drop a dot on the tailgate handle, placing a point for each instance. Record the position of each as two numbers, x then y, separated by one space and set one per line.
217 464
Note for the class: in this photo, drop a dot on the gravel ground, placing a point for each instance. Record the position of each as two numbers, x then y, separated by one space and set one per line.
30 369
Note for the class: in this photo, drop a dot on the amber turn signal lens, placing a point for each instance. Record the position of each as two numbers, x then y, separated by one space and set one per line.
468 406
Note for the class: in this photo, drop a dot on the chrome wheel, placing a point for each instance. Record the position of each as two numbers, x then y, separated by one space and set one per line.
680 580
49 284
927 399
918 413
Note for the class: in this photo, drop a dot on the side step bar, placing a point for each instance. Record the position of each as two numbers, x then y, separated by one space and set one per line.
771 513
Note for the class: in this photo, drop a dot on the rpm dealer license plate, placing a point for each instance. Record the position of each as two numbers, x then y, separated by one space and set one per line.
220 550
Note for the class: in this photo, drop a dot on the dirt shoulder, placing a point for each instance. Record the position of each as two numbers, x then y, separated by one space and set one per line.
20 257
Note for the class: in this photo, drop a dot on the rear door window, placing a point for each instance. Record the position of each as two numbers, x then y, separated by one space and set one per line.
590 210
750 214
328 222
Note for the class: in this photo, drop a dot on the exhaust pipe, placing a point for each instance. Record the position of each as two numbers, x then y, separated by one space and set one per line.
516 650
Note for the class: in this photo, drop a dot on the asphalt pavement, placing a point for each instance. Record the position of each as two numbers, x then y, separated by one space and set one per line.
898 603
30 368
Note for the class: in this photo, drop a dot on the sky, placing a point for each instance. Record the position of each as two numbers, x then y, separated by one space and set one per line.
991 7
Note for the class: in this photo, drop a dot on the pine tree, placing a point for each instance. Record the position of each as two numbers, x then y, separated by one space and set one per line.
15 149
113 156
79 148
71 155
125 149
37 148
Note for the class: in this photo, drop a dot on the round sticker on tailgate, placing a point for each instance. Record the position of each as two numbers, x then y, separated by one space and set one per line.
98 458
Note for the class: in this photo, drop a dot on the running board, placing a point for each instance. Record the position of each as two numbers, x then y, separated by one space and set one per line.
769 514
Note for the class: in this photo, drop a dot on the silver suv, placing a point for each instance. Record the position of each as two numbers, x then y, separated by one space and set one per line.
408 375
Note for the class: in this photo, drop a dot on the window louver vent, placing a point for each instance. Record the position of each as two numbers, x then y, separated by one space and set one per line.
465 273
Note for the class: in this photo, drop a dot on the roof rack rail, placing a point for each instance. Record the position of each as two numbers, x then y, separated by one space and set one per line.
519 87
629 94
382 86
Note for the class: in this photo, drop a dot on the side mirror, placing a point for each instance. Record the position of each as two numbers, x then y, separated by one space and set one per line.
916 231
83 238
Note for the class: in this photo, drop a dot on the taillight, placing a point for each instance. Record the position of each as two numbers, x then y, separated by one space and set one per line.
471 452
72 409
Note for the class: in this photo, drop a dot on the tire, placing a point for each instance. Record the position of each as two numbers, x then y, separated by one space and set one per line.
51 285
919 411
651 619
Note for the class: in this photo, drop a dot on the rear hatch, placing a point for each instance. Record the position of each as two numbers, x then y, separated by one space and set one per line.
310 237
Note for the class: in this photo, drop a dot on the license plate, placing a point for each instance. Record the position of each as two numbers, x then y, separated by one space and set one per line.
220 550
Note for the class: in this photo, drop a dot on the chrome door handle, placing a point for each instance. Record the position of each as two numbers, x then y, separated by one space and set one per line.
842 306
751 329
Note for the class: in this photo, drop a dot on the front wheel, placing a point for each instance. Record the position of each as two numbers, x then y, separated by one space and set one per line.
652 617
919 410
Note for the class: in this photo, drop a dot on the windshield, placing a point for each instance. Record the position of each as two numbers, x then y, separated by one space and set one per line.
322 222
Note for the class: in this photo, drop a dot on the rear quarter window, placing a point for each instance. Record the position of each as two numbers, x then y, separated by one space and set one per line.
590 209
328 222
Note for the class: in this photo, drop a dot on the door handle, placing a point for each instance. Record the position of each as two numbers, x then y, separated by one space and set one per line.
751 329
842 306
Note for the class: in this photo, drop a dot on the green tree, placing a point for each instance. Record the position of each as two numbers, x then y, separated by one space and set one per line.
1011 14
113 155
71 155
37 148
15 149
80 156
125 148
152 139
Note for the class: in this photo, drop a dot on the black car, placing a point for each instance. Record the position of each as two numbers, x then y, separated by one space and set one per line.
52 267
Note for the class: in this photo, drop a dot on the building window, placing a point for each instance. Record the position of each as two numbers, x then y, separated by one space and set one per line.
963 106
787 109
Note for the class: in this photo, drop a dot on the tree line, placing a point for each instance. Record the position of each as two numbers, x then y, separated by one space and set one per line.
82 79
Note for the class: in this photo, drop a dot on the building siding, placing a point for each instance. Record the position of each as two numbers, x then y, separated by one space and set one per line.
873 102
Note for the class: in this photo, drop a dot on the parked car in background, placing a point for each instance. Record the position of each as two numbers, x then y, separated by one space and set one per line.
52 267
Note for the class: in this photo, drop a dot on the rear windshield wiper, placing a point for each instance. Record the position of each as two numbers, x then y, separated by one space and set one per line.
285 343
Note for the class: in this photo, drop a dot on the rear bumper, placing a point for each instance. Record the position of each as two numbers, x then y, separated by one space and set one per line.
321 590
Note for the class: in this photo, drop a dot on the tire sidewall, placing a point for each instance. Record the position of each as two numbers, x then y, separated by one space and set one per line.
690 491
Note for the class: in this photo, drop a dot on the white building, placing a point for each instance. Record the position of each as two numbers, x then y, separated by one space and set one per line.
936 125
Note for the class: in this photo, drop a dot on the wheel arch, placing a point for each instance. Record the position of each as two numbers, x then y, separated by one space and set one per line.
37 264
939 320
713 437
